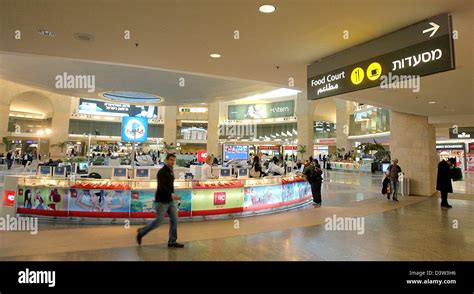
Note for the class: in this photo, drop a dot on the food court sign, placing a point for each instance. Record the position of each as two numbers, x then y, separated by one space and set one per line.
421 49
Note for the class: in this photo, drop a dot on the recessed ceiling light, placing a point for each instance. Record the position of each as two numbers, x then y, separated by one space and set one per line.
215 55
46 33
130 96
432 102
267 8
83 37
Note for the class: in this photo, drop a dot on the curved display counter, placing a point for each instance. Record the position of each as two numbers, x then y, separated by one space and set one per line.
133 199
351 166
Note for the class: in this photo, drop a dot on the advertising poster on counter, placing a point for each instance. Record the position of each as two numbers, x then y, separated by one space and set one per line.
53 199
262 197
217 201
103 201
142 203
295 192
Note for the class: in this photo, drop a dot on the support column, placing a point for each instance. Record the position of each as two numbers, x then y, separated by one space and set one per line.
4 116
413 143
7 91
343 108
213 129
59 124
170 129
305 124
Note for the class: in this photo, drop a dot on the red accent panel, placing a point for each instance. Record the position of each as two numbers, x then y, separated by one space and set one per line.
217 211
99 214
42 212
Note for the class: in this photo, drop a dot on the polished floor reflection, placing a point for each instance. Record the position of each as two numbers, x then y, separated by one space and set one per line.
416 228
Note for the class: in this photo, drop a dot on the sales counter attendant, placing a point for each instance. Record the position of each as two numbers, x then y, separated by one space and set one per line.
206 171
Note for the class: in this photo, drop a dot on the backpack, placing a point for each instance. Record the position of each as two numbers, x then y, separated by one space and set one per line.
314 175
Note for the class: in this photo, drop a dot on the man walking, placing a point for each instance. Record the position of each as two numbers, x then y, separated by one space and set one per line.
164 203
10 159
394 169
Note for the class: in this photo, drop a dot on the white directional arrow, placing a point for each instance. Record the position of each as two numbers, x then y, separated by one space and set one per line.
434 28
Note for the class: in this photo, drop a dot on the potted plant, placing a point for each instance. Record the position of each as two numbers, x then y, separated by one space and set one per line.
60 145
301 150
5 142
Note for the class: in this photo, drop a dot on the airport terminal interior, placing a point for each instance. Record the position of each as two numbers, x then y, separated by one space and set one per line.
302 130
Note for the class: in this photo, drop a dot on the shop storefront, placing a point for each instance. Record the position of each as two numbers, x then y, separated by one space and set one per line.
269 150
453 150
470 157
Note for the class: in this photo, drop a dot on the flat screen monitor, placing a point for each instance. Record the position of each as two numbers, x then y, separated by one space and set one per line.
243 172
224 173
120 173
82 168
236 152
59 171
44 170
142 173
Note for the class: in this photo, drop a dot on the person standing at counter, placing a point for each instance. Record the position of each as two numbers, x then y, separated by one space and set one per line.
256 170
394 169
164 203
275 169
443 181
313 174
206 170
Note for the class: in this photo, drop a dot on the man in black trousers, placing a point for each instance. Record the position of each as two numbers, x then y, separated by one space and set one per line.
164 203
443 182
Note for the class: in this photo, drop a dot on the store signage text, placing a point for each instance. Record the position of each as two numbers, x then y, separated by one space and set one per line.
401 68
450 146
461 133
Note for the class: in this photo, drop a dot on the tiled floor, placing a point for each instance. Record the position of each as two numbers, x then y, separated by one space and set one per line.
416 228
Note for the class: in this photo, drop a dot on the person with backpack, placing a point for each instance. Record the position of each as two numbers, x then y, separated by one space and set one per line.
394 169
313 174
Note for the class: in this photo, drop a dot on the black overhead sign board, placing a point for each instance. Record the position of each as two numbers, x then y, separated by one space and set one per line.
421 49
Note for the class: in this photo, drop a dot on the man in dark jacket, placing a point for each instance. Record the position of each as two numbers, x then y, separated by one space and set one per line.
164 203
313 174
443 182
